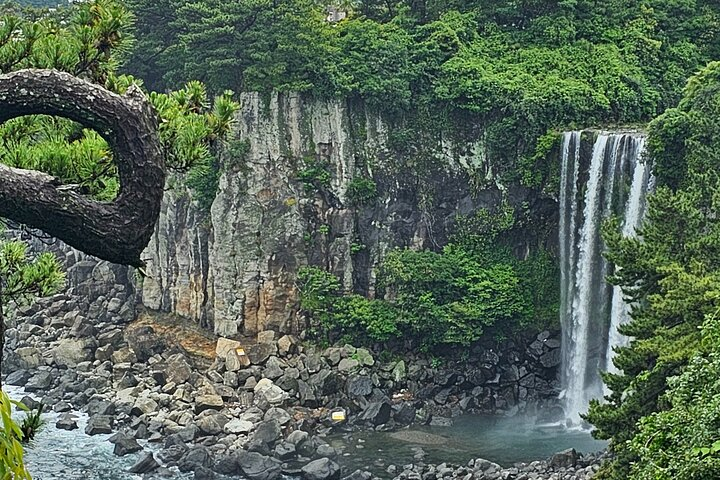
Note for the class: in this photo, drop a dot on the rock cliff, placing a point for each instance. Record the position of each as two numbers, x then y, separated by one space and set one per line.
321 182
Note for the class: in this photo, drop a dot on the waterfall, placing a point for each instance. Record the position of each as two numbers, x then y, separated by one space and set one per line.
615 182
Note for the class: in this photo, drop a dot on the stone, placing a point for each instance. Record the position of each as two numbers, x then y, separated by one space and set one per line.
266 336
348 365
297 437
203 473
364 357
193 458
399 371
209 425
257 466
124 355
208 402
273 368
178 369
405 414
277 414
259 353
321 469
104 353
144 405
144 342
238 426
99 424
377 413
66 422
125 445
30 402
271 392
359 385
565 459
235 361
39 381
28 358
225 346
18 378
285 450
287 345
145 464
553 358
268 431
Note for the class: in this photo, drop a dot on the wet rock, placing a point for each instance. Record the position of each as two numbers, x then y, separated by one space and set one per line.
359 385
203 473
258 467
553 358
146 464
377 413
39 381
125 445
99 424
66 422
18 378
321 469
193 458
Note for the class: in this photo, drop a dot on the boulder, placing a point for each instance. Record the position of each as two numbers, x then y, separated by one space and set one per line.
377 413
268 431
258 467
259 353
146 464
364 357
144 405
359 385
66 422
125 444
238 426
70 351
178 369
193 458
39 381
566 458
98 424
348 365
272 393
287 344
18 378
278 414
208 402
225 346
321 469
235 361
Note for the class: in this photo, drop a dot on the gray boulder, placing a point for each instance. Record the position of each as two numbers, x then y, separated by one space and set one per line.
99 424
321 469
146 464
258 467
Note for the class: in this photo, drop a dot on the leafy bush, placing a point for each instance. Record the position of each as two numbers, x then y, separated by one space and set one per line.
361 191
315 175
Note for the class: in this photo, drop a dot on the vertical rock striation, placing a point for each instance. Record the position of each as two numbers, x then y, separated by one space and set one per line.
234 270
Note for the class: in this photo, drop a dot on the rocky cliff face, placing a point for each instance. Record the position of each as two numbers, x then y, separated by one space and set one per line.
233 270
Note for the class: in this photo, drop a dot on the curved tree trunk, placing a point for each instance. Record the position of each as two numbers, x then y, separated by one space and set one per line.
116 231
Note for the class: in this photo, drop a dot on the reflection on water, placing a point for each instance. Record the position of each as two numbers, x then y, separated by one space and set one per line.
501 440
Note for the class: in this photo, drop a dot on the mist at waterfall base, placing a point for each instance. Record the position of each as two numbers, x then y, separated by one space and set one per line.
614 183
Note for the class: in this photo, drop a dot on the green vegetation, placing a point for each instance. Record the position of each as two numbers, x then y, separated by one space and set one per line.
672 273
520 68
11 451
473 288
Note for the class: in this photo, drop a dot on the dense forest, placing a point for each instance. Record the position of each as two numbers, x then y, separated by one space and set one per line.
525 70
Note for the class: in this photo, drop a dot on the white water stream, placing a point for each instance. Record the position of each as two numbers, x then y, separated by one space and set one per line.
615 182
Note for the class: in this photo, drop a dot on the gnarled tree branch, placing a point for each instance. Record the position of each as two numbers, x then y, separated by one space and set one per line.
117 231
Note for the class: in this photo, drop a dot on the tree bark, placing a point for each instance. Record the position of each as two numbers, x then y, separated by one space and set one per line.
116 231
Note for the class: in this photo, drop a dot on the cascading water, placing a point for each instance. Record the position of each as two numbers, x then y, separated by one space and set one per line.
615 182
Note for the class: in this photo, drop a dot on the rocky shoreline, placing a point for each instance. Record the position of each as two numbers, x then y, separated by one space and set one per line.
259 408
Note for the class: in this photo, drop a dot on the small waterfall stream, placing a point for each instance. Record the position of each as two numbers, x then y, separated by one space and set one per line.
615 182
